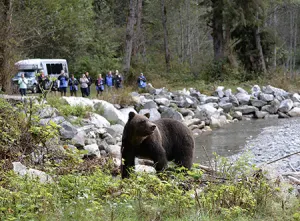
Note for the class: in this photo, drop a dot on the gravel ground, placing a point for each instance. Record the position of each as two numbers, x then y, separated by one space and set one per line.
275 142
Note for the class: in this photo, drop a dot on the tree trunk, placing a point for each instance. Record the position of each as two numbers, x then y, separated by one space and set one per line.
5 52
260 51
138 34
295 43
217 25
164 23
129 37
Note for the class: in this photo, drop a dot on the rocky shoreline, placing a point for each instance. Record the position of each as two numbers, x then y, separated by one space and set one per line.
100 133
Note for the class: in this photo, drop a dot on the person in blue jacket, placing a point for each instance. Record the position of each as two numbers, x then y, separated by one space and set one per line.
142 81
63 83
109 80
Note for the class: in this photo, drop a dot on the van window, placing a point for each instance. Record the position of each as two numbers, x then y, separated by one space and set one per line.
54 68
27 73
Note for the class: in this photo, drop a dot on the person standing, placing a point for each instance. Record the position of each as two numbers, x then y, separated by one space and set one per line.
109 80
142 81
63 83
23 85
84 85
89 84
43 81
99 85
118 80
73 83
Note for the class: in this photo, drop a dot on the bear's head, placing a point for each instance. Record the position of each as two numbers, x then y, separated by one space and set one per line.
138 128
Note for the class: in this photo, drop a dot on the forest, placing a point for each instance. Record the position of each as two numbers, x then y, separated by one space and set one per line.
175 40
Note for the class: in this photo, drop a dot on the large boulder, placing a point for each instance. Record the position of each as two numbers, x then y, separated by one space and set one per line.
162 101
226 107
277 92
243 98
272 108
48 112
211 99
296 97
150 104
126 111
114 151
171 113
260 114
286 105
98 120
255 91
67 130
204 112
115 130
295 112
258 103
266 97
107 110
93 150
79 139
154 114
22 170
245 109
74 101
219 92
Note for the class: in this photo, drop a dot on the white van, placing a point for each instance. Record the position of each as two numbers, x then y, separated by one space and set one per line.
30 68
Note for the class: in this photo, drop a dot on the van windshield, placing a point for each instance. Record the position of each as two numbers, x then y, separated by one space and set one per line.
27 73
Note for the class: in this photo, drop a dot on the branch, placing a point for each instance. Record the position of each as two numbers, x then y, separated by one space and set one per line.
283 157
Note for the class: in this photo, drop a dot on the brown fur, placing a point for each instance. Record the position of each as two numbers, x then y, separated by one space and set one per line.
161 141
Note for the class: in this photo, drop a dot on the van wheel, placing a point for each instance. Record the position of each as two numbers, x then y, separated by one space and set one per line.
34 89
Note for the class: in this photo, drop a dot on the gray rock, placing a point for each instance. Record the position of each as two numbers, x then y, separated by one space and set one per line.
48 112
93 150
162 101
286 105
154 114
272 108
226 107
114 151
219 92
204 112
243 98
90 141
275 91
246 109
255 91
98 120
194 121
79 139
144 169
67 130
186 112
283 115
271 116
296 104
171 113
108 111
228 92
102 144
258 103
234 100
296 97
150 104
266 97
217 122
241 90
261 114
295 112
162 108
110 140
211 99
31 173
115 130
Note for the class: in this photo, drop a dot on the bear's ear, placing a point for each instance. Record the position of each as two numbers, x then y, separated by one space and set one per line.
147 115
131 115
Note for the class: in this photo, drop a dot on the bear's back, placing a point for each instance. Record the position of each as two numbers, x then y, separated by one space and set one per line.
176 138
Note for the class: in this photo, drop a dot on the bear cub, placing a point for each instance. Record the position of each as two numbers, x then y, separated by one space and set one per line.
162 140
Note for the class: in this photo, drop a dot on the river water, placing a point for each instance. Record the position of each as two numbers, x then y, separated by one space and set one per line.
232 138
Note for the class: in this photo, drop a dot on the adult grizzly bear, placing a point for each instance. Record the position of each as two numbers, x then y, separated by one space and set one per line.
161 141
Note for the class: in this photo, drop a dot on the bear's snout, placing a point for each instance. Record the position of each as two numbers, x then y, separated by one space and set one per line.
153 127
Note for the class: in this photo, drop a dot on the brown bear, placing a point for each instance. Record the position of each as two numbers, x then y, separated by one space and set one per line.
162 140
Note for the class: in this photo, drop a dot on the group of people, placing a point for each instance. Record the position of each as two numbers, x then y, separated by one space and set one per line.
110 81
86 81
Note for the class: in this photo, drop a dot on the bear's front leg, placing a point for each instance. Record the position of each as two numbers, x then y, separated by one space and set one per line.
128 155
